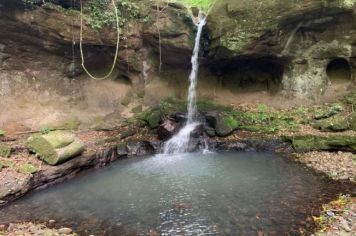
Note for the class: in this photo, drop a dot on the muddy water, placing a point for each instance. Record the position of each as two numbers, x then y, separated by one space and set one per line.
190 194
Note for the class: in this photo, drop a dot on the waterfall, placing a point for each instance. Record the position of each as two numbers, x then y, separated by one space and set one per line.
179 143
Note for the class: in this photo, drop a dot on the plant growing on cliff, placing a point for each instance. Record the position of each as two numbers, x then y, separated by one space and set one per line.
100 15
203 5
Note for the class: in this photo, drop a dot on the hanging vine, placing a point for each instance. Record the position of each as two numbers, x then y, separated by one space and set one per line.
81 43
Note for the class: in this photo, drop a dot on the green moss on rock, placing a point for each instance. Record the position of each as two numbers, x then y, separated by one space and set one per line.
27 169
55 147
315 143
2 133
328 111
5 151
332 124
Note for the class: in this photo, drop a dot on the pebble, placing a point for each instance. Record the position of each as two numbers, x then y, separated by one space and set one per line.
65 231
345 225
330 213
51 221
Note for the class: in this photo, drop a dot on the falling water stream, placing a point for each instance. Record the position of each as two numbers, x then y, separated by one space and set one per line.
179 142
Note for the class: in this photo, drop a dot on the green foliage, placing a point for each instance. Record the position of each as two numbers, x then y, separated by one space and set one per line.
201 4
46 130
100 13
2 133
265 121
231 122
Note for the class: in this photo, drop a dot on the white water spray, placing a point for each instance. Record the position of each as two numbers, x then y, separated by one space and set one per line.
179 143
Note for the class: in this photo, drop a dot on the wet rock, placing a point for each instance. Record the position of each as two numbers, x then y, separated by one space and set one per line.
197 132
195 144
167 129
209 131
122 150
142 148
180 117
231 146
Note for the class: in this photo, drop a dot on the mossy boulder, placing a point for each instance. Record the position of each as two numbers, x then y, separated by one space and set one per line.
2 133
305 143
56 147
5 151
223 123
328 112
332 124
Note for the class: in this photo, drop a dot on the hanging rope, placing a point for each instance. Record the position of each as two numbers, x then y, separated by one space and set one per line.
81 43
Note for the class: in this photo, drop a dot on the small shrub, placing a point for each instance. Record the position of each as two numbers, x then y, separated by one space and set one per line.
46 130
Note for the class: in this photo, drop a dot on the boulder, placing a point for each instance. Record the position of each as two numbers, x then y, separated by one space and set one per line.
56 147
140 148
167 129
332 124
180 117
223 123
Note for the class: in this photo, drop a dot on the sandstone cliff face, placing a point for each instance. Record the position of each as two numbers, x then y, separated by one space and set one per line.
40 70
288 48
303 36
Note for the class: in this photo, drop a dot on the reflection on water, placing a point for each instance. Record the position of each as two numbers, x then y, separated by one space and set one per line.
189 194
